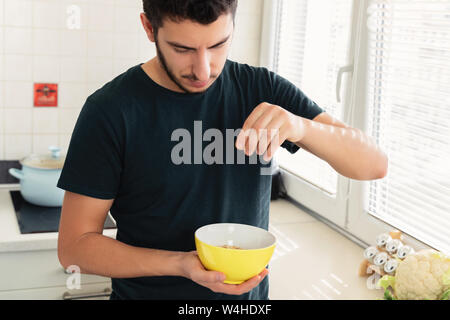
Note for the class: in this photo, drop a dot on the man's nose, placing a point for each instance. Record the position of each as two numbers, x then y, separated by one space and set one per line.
202 69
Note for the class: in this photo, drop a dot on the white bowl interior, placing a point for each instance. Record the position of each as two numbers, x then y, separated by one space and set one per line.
234 234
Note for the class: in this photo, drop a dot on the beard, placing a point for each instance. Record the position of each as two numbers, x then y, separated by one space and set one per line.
171 75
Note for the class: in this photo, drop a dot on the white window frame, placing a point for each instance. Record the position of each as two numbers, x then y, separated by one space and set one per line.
330 208
354 221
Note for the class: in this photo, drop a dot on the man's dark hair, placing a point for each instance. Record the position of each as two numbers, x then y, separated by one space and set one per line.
200 11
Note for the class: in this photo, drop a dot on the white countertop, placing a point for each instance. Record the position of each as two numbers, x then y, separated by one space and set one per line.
11 240
313 261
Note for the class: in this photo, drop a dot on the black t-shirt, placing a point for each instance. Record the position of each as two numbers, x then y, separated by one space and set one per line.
121 149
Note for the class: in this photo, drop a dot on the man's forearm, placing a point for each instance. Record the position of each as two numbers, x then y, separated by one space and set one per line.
348 150
96 254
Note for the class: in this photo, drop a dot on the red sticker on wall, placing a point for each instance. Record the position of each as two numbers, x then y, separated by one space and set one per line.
45 95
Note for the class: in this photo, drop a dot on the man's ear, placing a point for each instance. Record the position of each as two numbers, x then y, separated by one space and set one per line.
148 27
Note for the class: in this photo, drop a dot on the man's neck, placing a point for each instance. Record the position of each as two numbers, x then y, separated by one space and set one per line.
155 71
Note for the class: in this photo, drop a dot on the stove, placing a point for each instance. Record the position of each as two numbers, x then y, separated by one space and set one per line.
38 219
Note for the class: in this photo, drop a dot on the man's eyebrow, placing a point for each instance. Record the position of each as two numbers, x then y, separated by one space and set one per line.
175 44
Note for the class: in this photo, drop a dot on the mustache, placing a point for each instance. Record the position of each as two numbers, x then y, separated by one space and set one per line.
192 77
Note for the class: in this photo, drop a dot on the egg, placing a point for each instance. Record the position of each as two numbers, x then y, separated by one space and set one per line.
370 253
393 245
382 239
380 259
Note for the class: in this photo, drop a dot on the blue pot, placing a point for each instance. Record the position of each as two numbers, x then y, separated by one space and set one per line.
38 179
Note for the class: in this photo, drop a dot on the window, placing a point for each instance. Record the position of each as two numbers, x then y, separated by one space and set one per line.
397 53
312 41
409 114
308 44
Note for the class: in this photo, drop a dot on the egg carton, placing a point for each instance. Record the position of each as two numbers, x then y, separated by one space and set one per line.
385 256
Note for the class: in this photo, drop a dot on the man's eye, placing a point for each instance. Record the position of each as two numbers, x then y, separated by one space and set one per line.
181 50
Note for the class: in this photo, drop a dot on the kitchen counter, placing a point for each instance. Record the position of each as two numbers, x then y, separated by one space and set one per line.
11 240
312 261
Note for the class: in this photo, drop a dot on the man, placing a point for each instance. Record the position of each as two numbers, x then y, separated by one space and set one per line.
122 157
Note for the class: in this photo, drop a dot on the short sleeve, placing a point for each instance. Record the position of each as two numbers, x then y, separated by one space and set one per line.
286 95
93 162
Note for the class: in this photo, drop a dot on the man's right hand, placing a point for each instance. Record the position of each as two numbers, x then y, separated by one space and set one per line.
214 280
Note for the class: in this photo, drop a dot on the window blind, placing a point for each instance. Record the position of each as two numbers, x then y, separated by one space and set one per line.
409 115
312 41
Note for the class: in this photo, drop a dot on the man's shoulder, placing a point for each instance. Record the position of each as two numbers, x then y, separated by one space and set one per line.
240 70
255 81
114 92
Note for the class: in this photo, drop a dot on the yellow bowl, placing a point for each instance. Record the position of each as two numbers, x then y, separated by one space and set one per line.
256 249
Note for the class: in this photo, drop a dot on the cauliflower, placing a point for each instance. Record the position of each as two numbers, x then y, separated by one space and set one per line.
424 275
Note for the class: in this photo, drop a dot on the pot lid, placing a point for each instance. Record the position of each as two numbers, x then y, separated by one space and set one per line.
52 160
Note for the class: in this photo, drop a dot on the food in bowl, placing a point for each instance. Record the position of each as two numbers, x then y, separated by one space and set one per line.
247 250
231 247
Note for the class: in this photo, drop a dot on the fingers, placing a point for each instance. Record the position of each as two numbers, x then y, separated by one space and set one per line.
253 117
262 140
213 277
239 289
197 272
263 129
208 278
275 144
214 280
252 142
261 115
264 273
269 135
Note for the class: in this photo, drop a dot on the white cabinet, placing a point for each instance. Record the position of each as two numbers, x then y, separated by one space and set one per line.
96 291
39 275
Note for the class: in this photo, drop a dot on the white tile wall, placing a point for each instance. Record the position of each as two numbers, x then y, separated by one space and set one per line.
247 34
18 120
18 67
127 18
2 96
100 16
67 119
18 13
146 47
1 12
64 140
46 69
99 69
2 48
75 12
46 41
41 142
73 69
2 136
71 94
2 145
18 94
100 44
48 14
45 121
121 65
81 45
18 40
74 43
126 45
17 146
